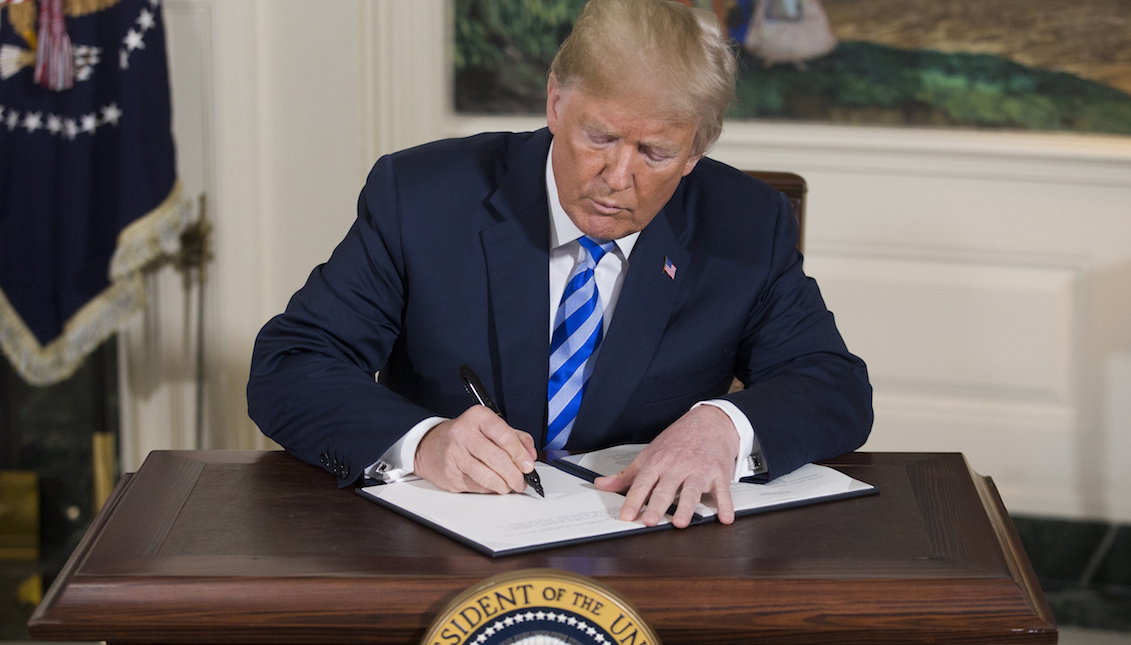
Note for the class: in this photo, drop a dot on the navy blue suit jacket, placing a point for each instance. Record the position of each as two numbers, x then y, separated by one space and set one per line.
447 263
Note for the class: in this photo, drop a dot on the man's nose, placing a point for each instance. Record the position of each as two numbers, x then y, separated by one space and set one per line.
619 168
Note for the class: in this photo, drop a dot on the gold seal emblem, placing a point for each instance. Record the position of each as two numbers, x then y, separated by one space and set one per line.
539 607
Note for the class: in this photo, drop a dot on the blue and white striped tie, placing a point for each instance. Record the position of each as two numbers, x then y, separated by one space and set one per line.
577 332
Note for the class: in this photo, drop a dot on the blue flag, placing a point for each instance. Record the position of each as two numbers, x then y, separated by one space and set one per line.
88 186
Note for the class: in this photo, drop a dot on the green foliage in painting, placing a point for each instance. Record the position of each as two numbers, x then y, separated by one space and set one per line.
503 49
489 32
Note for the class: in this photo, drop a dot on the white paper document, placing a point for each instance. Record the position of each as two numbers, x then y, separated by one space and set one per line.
575 511
572 510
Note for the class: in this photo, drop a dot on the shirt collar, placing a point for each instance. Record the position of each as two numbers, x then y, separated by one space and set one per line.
562 228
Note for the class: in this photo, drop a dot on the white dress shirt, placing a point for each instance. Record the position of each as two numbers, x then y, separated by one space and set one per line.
565 253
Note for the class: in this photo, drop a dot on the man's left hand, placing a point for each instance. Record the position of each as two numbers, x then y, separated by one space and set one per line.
692 457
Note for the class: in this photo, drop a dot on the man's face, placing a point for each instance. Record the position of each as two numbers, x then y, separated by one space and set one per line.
616 161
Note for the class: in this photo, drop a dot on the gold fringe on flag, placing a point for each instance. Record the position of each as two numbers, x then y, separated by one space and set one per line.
83 7
144 244
22 16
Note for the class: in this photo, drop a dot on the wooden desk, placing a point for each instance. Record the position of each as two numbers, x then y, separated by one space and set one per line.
257 547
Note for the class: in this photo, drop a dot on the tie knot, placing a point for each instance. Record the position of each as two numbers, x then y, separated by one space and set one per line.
597 249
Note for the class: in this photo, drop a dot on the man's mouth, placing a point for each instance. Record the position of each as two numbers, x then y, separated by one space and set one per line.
605 207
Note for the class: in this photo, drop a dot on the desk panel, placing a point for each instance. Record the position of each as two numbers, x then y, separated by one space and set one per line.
257 547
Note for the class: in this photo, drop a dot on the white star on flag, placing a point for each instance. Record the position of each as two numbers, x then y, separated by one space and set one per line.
89 123
111 114
33 121
145 20
134 40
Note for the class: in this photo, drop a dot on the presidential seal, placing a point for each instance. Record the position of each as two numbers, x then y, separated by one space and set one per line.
539 607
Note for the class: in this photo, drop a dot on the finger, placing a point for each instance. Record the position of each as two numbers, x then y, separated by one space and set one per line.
685 509
502 474
485 476
638 494
518 445
455 474
469 485
617 482
611 483
531 451
663 494
724 502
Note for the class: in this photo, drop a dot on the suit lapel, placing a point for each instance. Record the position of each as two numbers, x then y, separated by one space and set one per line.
646 302
517 257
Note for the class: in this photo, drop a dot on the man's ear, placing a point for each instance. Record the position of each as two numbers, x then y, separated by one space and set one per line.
690 165
553 100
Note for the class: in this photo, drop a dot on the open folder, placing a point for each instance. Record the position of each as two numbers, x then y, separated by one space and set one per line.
575 511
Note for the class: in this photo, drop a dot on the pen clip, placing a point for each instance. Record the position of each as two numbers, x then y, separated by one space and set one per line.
476 389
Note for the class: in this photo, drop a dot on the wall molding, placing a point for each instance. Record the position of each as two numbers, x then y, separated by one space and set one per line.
408 75
986 256
961 411
997 155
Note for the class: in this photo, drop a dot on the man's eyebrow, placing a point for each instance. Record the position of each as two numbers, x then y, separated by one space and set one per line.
660 146
664 148
598 128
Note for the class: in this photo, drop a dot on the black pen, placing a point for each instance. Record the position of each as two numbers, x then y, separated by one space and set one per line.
478 391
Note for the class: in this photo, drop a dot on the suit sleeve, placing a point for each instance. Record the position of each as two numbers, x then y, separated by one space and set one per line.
806 395
312 386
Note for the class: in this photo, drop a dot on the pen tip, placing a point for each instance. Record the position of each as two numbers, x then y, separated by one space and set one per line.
535 482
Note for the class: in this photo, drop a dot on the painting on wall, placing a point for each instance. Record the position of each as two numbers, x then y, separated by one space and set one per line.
1002 64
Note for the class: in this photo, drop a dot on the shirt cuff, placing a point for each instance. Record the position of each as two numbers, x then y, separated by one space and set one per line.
399 461
750 460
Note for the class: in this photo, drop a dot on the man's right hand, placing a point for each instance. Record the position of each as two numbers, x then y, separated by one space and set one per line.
476 452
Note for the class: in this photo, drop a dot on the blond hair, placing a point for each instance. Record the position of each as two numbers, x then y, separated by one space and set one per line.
677 55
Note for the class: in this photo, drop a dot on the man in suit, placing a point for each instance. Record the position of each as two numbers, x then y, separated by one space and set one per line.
604 278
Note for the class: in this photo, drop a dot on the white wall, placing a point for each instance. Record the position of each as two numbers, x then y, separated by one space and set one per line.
984 277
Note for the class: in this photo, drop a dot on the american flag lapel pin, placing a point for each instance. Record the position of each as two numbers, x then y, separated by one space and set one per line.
669 268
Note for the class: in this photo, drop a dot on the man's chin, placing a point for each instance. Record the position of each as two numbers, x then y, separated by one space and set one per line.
610 230
606 227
